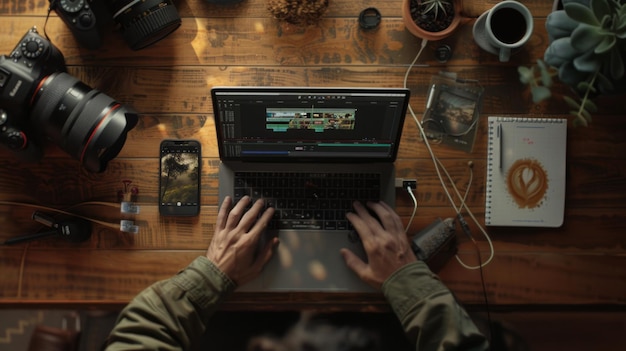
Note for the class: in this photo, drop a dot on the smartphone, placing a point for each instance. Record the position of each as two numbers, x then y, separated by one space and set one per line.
179 178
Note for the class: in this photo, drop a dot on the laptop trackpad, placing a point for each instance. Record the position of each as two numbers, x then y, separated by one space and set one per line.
310 260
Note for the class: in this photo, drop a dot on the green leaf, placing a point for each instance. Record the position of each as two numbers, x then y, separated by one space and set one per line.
571 102
580 118
578 121
546 77
590 106
540 93
588 62
586 37
600 8
559 25
621 11
525 74
542 65
585 114
560 52
581 13
585 86
607 44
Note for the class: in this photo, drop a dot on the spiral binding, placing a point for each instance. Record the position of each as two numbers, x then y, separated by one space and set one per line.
489 184
526 119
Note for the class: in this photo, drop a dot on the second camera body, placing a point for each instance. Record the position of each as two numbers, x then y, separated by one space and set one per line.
142 22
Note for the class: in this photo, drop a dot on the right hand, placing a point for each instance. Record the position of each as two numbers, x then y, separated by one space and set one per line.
386 243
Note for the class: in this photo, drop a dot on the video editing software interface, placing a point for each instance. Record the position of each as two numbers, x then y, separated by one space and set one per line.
309 124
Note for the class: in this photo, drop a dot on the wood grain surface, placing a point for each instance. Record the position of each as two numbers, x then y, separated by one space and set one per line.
580 264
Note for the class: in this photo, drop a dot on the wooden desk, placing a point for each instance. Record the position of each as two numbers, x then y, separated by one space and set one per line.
580 264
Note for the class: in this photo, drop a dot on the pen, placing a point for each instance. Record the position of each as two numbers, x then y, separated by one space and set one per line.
431 95
500 151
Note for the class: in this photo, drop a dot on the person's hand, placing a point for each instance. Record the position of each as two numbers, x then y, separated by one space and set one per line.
234 247
385 243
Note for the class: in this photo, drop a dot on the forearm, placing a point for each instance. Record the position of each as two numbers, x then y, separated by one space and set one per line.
429 313
172 314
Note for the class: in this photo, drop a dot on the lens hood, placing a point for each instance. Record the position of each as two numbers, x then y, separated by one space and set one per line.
106 140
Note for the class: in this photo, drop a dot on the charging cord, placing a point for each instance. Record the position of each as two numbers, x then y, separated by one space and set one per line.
410 191
438 167
461 219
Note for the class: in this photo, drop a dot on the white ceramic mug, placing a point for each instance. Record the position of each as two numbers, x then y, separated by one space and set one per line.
509 25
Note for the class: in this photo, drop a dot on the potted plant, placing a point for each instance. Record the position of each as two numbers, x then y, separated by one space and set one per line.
431 19
587 51
298 12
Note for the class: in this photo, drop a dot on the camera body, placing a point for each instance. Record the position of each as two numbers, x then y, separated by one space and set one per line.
84 18
40 102
141 22
32 59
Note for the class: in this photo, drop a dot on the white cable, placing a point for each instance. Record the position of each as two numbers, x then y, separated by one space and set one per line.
410 191
419 125
438 164
419 53
471 214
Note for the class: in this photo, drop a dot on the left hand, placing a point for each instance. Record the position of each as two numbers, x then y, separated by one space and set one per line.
234 247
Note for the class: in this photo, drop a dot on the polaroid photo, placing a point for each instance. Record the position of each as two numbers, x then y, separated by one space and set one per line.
452 112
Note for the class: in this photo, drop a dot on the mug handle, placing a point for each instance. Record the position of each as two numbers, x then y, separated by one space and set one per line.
505 54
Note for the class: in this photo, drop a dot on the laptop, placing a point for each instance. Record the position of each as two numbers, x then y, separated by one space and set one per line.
309 152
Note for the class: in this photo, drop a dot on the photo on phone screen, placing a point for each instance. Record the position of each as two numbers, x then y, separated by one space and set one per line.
179 181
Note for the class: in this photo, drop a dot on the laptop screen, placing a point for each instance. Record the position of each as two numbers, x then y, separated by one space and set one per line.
305 123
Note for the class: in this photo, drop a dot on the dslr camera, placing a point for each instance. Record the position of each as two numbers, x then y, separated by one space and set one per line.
142 22
40 102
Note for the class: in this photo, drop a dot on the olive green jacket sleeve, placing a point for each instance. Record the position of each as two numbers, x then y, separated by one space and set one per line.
172 314
429 313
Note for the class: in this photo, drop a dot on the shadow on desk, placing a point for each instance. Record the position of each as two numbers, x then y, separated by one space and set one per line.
231 330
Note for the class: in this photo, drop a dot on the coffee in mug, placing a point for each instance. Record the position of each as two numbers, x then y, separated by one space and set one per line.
508 25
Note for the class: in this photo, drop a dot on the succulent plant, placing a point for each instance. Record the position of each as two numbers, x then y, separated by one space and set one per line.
436 5
586 51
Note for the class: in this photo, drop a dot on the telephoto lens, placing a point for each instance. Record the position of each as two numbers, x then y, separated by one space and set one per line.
86 123
144 22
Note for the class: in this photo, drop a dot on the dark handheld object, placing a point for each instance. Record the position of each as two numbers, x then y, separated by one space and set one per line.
84 18
40 102
436 243
74 230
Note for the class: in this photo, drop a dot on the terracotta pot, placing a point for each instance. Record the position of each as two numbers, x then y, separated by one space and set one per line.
430 36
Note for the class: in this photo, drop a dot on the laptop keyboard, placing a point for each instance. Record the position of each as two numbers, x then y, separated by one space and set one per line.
308 200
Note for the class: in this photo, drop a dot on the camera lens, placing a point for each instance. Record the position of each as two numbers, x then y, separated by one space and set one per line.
144 22
86 123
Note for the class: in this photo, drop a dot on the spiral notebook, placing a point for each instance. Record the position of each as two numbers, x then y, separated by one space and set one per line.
526 172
